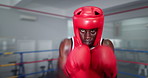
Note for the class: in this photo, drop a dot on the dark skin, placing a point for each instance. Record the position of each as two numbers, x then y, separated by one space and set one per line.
88 37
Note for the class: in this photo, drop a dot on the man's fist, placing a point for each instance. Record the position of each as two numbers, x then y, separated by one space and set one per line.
78 60
103 62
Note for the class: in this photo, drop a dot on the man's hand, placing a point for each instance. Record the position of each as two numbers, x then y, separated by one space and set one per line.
77 60
103 62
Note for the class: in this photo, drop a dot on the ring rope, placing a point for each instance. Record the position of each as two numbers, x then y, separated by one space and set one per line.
134 75
12 64
5 65
139 51
13 77
36 61
23 52
132 62
137 76
8 53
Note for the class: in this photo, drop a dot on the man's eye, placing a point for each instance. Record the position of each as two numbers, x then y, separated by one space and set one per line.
93 31
82 30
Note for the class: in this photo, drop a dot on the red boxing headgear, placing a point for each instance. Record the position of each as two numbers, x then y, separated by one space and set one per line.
88 17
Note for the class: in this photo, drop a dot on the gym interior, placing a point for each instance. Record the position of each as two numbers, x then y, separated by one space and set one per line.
32 30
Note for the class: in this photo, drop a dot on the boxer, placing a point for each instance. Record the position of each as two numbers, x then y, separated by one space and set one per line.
86 55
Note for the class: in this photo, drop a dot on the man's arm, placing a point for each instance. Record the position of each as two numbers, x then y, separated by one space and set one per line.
64 49
107 42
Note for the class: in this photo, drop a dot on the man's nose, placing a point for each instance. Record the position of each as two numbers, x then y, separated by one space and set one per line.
87 36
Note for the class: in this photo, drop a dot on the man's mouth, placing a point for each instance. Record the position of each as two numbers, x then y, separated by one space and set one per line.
88 42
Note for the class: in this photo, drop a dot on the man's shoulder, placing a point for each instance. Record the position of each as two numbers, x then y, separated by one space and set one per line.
107 42
66 41
65 46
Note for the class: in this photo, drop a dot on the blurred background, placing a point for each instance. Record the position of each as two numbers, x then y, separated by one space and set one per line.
32 25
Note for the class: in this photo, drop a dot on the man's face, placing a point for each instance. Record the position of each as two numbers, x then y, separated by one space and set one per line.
88 36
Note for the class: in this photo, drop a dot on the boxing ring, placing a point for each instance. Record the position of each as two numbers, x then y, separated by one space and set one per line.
21 64
19 72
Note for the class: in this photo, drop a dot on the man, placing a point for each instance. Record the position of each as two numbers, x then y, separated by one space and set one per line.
85 55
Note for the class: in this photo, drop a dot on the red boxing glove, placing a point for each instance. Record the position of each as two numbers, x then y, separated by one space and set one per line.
77 61
104 62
